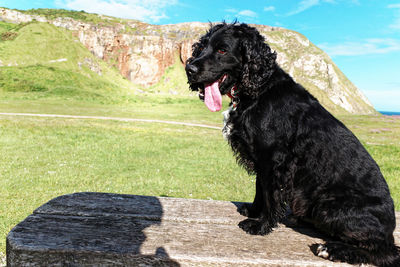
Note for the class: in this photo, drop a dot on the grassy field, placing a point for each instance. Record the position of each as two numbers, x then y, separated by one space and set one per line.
43 158
46 157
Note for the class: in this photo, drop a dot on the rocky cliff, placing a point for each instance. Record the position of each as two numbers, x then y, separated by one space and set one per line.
142 53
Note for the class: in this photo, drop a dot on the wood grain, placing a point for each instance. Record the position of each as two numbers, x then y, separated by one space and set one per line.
98 229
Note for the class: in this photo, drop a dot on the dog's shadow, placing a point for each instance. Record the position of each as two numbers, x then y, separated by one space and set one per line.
299 226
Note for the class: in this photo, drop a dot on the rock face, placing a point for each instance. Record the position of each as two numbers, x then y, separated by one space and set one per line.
142 52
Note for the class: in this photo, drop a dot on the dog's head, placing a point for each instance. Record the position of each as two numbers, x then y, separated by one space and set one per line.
229 56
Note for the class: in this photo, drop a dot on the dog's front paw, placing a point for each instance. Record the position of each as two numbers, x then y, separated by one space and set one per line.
255 227
247 210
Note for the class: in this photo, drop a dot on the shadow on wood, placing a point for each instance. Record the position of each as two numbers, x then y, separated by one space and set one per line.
88 229
97 229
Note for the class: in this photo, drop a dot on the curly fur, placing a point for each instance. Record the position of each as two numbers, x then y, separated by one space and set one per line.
303 157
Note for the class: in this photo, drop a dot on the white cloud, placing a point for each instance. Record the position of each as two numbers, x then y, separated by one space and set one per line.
247 13
148 11
396 24
231 10
394 6
304 5
241 14
269 8
307 4
368 47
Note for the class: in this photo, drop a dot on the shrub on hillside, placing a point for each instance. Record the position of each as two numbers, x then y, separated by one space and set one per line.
8 36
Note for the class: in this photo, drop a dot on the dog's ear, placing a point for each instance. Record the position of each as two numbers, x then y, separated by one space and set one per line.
258 61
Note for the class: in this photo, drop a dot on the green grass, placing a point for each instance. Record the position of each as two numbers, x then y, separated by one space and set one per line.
43 158
31 71
91 18
10 28
30 65
178 108
52 14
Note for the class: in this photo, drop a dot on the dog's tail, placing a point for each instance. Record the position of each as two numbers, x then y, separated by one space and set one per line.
386 256
382 255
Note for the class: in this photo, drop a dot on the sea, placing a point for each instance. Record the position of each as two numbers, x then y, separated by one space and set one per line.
390 113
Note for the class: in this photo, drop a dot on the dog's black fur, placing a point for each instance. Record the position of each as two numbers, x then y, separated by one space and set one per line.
302 156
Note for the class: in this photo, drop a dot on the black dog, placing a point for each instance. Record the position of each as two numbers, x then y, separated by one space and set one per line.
302 155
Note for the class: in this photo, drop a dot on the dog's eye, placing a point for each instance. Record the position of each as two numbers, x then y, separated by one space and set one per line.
222 51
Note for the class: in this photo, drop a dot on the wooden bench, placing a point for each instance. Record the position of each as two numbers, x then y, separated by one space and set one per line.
98 229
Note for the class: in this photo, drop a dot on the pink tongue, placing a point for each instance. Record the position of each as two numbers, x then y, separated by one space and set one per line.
212 97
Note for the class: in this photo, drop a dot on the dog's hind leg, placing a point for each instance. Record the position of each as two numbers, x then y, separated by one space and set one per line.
385 255
339 251
360 238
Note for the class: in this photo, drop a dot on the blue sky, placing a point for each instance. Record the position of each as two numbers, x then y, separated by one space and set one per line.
361 36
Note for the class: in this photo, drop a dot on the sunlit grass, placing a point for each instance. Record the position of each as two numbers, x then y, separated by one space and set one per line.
46 157
43 158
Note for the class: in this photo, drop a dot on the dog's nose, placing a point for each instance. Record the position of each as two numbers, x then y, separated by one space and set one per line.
191 69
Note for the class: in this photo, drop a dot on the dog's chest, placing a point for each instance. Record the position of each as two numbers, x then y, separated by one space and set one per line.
228 125
240 138
238 124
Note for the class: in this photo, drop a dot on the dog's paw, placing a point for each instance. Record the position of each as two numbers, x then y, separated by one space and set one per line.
255 227
322 251
247 210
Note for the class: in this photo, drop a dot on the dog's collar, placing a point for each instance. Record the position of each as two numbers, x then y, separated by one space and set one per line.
233 96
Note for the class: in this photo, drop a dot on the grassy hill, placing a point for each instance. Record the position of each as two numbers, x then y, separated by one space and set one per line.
145 54
40 60
49 61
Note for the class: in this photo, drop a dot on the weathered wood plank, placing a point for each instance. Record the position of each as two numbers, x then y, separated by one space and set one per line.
99 229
